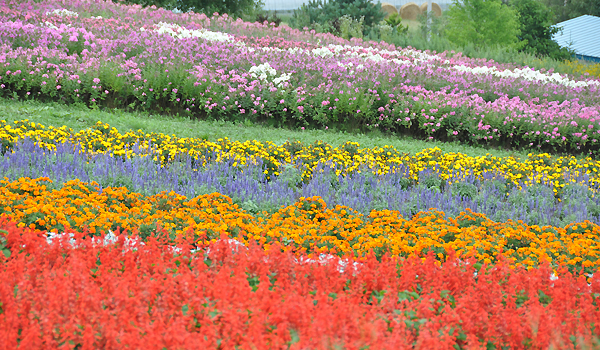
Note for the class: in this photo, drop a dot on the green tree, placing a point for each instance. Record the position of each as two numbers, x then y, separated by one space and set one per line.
483 23
567 9
537 29
326 14
166 4
234 8
560 10
584 7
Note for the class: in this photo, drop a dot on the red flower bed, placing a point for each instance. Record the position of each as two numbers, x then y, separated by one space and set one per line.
89 295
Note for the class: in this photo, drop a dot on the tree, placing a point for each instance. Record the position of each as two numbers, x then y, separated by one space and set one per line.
584 7
327 14
483 23
567 9
234 8
536 21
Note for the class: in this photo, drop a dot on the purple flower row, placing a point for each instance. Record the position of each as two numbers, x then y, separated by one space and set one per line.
490 194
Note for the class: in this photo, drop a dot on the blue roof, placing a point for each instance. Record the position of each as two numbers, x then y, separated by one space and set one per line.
582 34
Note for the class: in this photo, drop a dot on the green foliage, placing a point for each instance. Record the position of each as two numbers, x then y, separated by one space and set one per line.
290 176
465 189
585 7
483 23
566 9
351 28
3 244
537 30
327 16
388 29
235 8
167 4
264 16
435 27
395 21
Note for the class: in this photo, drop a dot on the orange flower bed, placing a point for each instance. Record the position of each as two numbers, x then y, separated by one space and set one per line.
309 225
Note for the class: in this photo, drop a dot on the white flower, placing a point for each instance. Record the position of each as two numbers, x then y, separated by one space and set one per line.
262 71
50 25
422 58
322 52
62 13
179 32
282 79
265 71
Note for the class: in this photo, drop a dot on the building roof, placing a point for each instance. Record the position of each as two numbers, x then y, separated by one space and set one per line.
582 34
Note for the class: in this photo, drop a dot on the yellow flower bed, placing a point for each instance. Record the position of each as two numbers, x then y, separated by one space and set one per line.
346 158
579 67
308 225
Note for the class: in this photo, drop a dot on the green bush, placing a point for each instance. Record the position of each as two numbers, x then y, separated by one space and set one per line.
395 21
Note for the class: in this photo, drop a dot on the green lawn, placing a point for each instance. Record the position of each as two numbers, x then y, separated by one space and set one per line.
80 117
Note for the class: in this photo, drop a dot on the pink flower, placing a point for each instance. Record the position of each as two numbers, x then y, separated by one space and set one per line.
96 81
58 87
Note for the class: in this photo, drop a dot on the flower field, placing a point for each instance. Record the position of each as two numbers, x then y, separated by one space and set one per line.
215 67
517 241
141 239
